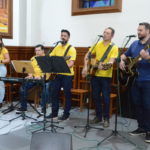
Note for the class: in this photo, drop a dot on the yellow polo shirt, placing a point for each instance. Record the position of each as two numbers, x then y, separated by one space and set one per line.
3 52
60 50
37 70
99 51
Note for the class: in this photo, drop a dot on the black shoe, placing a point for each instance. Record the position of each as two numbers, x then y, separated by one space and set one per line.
1 105
20 110
147 137
63 118
138 131
43 110
50 116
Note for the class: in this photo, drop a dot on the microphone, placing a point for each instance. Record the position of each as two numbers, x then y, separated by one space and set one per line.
100 35
62 42
130 36
57 42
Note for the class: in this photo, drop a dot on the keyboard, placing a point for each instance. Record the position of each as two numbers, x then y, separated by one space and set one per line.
20 80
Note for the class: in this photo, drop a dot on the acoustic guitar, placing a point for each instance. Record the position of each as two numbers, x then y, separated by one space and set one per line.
93 66
128 75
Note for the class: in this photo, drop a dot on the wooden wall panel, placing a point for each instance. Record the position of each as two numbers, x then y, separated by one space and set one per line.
20 52
26 52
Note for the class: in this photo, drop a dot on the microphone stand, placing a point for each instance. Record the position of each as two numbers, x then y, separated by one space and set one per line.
115 132
129 38
87 127
49 51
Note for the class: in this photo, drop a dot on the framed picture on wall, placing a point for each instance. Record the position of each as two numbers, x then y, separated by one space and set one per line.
83 7
6 13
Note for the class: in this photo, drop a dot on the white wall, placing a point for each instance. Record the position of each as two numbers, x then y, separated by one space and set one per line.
26 23
43 20
33 22
84 29
16 24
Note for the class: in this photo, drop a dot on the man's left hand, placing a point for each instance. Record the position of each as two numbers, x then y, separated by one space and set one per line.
100 67
38 78
144 54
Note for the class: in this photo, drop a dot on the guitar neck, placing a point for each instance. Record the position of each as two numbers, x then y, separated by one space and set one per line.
136 59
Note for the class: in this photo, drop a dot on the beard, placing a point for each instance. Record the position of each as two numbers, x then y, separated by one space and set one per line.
141 38
63 42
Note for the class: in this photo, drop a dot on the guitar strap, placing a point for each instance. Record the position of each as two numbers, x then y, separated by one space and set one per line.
66 52
106 52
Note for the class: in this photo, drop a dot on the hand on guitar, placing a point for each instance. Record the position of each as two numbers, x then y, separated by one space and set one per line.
100 67
122 65
144 54
104 66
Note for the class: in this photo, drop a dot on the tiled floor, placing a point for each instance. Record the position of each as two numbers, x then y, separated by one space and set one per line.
16 135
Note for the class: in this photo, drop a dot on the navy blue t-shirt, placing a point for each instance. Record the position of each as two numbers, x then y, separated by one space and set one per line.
143 66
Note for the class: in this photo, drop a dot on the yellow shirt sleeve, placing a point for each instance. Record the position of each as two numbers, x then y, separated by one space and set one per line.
3 52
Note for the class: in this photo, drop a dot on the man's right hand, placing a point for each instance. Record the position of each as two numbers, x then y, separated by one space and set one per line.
30 76
122 65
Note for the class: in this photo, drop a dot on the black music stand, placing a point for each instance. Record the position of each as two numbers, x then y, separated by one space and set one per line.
24 67
51 64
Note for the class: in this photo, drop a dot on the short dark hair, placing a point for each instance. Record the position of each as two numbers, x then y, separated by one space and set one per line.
112 30
66 31
145 24
41 46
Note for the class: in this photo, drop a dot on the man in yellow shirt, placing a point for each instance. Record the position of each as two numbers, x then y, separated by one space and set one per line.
39 51
101 81
4 58
63 79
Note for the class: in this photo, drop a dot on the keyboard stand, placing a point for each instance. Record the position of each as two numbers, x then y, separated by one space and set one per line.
23 115
11 107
